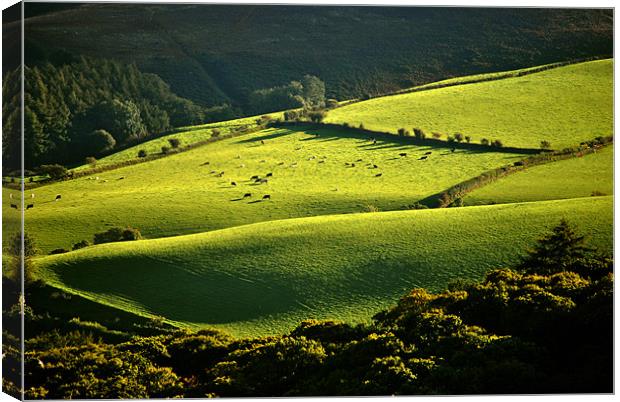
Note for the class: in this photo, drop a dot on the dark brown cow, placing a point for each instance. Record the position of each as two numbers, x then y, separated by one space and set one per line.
266 197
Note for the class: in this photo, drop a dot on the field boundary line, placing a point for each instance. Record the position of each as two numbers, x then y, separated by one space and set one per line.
454 194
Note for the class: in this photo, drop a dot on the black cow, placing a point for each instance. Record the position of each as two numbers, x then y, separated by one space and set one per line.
423 158
379 175
247 195
269 175
232 183
13 206
375 166
402 154
255 177
428 153
58 197
29 206
453 149
262 142
266 197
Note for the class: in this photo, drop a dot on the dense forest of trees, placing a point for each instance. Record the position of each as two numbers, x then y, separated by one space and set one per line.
87 107
545 326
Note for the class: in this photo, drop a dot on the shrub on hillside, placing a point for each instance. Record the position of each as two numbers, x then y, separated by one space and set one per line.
142 153
59 251
545 144
117 234
174 142
81 244
403 132
316 116
436 135
484 141
458 137
54 171
215 133
165 149
497 144
419 133
468 139
91 161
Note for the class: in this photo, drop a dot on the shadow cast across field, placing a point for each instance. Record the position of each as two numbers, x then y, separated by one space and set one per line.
204 296
266 137
389 141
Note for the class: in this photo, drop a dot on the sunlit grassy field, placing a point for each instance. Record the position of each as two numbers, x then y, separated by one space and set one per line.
571 178
265 278
310 176
564 106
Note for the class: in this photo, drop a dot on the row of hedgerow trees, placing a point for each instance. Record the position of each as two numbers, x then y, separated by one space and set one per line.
85 108
544 326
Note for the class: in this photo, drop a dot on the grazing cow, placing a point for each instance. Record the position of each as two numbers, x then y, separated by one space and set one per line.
312 157
232 183
266 197
294 164
281 163
402 154
359 160
213 171
220 174
346 163
269 175
321 161
263 181
353 165
206 163
247 195
262 142
379 175
58 197
29 206
121 178
423 158
255 177
428 153
375 166
13 206
374 142
453 149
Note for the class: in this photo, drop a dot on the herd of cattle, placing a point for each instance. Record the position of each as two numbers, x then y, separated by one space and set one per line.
30 206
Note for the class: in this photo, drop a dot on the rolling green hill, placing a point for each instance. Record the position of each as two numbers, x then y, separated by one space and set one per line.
571 178
264 278
217 53
564 106
179 195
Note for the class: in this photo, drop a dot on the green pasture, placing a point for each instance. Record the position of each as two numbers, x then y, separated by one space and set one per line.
264 278
565 106
180 195
187 135
570 178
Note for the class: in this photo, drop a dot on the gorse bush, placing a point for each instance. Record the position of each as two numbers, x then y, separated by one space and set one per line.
515 331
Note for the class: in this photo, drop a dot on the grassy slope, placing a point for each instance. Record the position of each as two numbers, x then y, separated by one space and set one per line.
264 278
176 195
565 106
571 178
187 136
